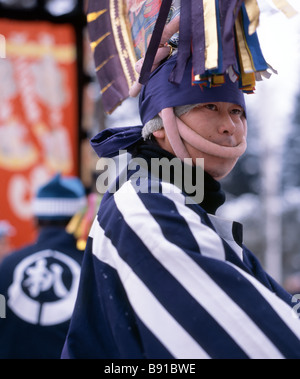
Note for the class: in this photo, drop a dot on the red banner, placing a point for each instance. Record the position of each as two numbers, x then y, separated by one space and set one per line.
38 115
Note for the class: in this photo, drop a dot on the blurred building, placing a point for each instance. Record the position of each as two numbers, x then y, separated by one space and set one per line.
48 101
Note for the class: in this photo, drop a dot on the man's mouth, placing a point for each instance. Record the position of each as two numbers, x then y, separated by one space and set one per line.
225 143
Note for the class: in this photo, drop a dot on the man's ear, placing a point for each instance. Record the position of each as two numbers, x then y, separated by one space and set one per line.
163 141
160 134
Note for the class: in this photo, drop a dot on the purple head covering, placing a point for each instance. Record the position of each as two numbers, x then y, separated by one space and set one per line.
159 93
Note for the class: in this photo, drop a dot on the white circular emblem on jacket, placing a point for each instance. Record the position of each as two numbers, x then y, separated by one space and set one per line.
40 293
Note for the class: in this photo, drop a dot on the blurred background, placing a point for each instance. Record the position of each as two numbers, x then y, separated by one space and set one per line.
50 107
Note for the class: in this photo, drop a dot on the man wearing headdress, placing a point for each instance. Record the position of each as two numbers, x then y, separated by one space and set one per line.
163 276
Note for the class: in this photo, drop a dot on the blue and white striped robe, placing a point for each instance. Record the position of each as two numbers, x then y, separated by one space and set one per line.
162 279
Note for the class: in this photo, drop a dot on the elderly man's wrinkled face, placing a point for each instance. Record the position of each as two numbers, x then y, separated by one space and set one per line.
221 123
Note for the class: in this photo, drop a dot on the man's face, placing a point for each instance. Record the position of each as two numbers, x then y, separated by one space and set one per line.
221 123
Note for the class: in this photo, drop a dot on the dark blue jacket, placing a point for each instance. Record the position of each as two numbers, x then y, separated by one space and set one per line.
40 285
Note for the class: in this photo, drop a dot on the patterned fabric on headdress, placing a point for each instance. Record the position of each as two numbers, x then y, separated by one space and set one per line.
220 34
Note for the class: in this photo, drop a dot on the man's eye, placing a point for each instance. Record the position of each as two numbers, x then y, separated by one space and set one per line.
211 107
237 112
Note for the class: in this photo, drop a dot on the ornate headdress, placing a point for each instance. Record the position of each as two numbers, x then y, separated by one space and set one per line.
220 34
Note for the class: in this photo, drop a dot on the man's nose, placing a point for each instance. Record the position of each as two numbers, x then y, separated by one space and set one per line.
227 125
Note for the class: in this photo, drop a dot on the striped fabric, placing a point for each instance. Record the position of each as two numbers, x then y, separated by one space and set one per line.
162 279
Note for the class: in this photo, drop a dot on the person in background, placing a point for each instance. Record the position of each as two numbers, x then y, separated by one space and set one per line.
6 232
40 281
